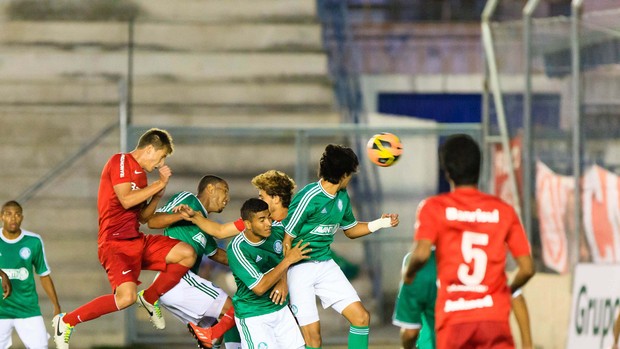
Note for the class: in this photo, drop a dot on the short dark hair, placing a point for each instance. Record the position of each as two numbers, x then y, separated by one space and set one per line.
251 207
276 183
460 158
11 203
336 162
158 138
208 179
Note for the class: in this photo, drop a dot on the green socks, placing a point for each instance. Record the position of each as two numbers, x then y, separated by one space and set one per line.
358 337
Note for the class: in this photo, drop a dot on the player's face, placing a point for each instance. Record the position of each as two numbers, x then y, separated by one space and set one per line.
12 219
219 198
155 158
261 224
267 198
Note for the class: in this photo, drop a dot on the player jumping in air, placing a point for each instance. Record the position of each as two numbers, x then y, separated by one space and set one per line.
315 214
124 201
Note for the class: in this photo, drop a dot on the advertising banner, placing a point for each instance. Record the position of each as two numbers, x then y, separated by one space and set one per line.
595 303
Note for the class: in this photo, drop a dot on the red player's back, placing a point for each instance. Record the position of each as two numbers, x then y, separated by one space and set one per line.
471 231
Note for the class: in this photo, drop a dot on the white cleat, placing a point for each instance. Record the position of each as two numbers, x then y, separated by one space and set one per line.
157 319
62 332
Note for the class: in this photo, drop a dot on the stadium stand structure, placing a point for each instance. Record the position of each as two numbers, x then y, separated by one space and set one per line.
196 63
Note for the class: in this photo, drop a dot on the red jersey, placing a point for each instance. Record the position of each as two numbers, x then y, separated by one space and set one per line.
116 222
471 231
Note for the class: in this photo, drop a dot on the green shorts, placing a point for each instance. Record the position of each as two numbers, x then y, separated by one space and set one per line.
415 303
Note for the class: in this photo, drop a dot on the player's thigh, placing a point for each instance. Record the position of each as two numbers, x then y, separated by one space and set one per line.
32 332
157 251
256 333
6 329
287 332
194 298
333 288
301 279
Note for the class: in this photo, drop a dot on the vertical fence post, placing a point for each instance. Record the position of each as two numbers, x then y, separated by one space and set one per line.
576 8
527 117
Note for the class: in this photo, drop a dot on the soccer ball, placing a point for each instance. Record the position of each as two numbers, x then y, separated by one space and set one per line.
384 149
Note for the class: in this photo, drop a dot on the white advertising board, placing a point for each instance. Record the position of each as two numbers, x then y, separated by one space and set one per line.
594 306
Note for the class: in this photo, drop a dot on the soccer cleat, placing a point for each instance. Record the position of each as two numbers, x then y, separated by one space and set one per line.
155 315
202 335
62 332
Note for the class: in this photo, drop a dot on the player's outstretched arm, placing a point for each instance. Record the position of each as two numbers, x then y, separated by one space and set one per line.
525 271
420 254
6 285
162 220
387 220
519 308
291 256
217 230
48 286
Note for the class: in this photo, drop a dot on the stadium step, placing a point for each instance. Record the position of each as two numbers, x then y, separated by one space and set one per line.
157 36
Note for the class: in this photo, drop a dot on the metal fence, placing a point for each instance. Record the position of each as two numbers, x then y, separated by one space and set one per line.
554 81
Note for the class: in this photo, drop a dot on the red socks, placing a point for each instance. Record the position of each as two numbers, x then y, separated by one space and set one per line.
164 282
91 310
226 323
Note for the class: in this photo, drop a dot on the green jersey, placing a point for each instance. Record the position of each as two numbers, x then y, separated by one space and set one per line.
19 258
186 231
249 262
314 216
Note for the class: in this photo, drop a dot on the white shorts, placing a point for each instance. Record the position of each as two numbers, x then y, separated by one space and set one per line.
195 299
277 330
324 279
30 330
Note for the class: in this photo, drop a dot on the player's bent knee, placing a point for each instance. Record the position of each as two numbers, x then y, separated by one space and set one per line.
361 318
124 300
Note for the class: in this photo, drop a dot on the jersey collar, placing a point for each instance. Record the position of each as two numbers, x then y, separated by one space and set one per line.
13 241
324 191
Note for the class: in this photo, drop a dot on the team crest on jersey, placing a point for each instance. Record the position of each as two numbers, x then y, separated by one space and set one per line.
201 239
263 345
340 205
25 253
277 246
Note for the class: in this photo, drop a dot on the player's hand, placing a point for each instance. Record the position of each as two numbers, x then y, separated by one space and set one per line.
279 292
164 174
393 218
186 212
6 286
298 252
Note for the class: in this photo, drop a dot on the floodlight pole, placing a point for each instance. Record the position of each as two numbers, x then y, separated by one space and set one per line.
527 117
576 10
487 44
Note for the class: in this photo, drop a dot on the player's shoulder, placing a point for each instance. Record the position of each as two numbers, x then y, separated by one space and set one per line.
30 236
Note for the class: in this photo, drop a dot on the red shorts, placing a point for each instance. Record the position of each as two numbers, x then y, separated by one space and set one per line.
124 259
475 335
